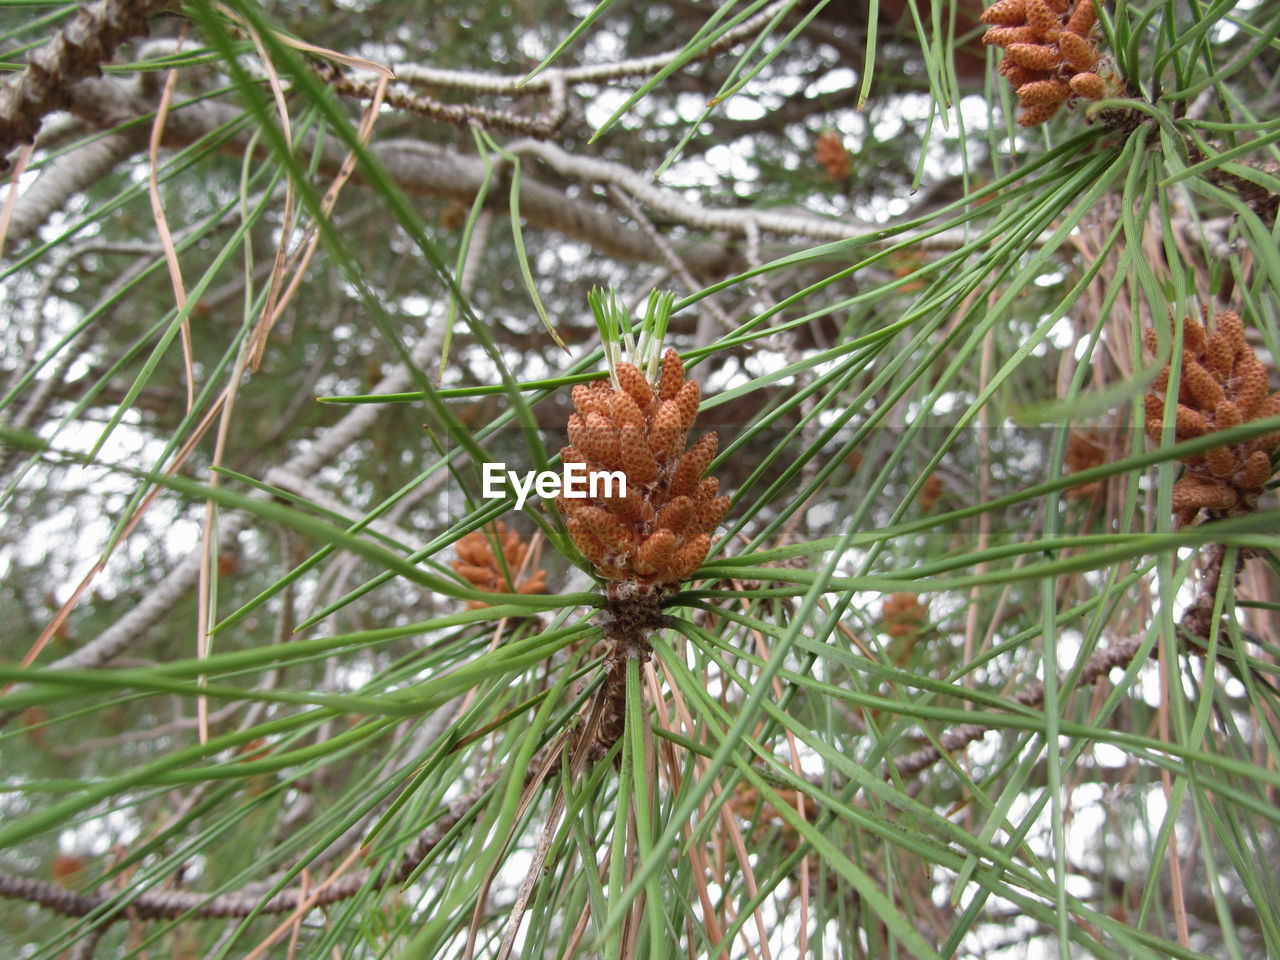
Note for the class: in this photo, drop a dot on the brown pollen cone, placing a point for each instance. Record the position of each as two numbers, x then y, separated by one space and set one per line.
830 154
903 615
1049 53
1085 450
477 564
1222 384
659 532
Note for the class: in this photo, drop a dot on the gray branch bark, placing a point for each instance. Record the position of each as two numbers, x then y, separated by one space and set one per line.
72 55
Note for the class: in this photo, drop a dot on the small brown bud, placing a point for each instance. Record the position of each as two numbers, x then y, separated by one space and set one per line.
601 441
1225 415
588 544
1268 442
666 430
1086 84
1229 324
1255 473
624 410
633 381
1043 20
1201 494
628 509
1033 56
1194 337
637 460
1083 17
1204 389
693 465
586 400
1220 355
655 552
578 433
675 515
1154 404
685 562
1020 76
1003 36
687 401
1251 380
707 489
1080 54
606 527
672 377
478 576
709 514
1034 116
1005 12
1190 423
1044 92
474 549
1221 462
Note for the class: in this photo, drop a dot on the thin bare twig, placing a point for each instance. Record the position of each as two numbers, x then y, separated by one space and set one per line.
957 738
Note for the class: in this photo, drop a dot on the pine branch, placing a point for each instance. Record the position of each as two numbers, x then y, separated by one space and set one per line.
73 54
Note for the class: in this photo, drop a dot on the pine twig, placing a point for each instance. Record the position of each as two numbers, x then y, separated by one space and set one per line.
957 738
1196 620
76 52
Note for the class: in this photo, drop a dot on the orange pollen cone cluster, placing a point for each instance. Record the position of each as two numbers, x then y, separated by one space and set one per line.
1049 53
829 152
477 564
903 614
1085 450
659 532
1222 384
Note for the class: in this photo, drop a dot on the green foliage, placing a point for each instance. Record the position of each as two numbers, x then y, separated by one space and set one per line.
241 663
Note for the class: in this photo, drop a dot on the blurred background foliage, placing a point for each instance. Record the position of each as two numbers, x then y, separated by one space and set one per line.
911 320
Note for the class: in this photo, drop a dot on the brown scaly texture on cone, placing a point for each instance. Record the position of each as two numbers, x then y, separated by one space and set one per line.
1222 384
1049 53
478 566
660 532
